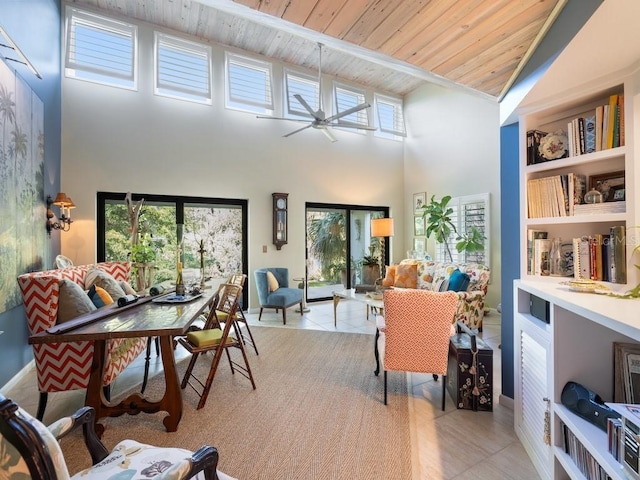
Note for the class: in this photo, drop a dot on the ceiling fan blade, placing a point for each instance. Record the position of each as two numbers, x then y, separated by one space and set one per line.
304 103
281 118
299 130
328 134
349 111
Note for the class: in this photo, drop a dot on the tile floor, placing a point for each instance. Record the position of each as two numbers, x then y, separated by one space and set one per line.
452 445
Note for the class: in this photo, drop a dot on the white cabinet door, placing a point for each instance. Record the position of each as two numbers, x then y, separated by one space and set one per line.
533 391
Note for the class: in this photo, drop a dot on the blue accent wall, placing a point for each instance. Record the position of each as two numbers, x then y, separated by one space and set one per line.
510 241
35 26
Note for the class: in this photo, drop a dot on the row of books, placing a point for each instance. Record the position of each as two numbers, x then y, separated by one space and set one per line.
581 457
601 257
600 129
615 432
555 196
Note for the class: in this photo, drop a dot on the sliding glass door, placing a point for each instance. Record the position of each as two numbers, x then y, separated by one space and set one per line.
173 227
340 250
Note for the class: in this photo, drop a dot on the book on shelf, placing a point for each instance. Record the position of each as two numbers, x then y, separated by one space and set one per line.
590 134
617 255
598 125
581 258
533 142
613 102
600 208
532 236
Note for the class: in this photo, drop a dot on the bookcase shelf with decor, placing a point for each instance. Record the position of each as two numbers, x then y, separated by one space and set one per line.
555 191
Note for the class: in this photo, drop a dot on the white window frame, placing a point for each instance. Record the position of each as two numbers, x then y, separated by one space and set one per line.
95 73
196 84
245 103
290 110
458 204
398 132
358 97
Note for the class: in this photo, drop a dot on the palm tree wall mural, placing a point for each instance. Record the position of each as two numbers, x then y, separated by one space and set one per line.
22 232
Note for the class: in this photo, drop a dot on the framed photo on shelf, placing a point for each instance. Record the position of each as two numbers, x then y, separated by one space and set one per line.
420 244
419 200
610 185
418 225
626 365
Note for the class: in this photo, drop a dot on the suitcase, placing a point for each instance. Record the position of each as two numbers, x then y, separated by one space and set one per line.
470 383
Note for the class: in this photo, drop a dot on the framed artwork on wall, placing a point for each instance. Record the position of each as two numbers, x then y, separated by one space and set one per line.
420 244
419 200
418 225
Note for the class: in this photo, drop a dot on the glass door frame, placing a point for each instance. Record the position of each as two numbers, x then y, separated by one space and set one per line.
179 203
348 209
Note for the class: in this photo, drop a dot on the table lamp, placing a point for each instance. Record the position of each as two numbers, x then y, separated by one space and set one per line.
382 228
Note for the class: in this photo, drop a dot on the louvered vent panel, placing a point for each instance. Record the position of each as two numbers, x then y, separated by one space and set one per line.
534 386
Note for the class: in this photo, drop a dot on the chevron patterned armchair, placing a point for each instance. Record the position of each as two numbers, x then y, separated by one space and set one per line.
67 366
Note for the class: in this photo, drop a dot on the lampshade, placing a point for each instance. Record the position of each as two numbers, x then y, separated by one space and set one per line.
382 227
62 200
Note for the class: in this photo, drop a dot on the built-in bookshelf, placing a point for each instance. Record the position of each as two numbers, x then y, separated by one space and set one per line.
574 340
556 192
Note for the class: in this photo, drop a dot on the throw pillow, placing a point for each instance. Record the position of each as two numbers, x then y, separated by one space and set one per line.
458 281
406 276
100 278
273 282
72 302
99 296
442 285
390 276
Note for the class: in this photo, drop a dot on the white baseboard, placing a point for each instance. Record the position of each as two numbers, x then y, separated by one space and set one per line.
506 401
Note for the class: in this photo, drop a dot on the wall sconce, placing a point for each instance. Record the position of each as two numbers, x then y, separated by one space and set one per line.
65 204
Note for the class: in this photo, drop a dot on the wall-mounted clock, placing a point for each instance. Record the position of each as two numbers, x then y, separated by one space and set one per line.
280 205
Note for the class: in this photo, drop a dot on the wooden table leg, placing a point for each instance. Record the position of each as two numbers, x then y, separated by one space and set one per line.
172 400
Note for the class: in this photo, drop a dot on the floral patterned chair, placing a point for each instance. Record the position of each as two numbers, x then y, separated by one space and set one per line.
434 276
31 450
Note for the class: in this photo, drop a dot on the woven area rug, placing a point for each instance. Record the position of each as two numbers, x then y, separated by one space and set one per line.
317 413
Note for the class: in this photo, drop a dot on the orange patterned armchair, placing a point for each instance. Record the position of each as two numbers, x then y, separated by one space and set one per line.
67 366
413 335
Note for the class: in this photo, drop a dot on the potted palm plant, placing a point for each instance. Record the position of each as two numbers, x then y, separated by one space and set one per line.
370 267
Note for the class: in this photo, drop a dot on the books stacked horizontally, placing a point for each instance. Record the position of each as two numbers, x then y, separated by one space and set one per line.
600 208
598 129
601 257
555 196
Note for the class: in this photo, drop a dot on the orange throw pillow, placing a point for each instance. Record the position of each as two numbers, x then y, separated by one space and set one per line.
390 277
406 276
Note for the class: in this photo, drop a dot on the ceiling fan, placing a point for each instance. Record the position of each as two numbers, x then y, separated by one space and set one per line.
319 120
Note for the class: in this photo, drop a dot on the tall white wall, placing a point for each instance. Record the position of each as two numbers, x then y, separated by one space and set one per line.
118 141
453 148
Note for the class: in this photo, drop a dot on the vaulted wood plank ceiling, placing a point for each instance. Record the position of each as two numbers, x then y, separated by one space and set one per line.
389 45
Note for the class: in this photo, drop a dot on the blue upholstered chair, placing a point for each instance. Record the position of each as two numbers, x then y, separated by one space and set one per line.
279 295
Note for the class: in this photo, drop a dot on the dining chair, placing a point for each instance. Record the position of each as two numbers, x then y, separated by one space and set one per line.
414 334
216 337
247 338
31 450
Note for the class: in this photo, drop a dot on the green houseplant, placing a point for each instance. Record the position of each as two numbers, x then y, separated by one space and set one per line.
437 215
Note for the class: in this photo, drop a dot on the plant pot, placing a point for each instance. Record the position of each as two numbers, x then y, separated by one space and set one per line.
144 274
370 273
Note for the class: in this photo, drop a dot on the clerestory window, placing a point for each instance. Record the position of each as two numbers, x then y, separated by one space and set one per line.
248 84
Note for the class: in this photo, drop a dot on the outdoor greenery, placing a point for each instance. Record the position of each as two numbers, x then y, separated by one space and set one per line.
328 243
219 229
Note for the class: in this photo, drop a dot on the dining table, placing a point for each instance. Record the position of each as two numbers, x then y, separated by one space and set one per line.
165 317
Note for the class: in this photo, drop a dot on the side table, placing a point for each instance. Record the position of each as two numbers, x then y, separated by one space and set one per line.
303 280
